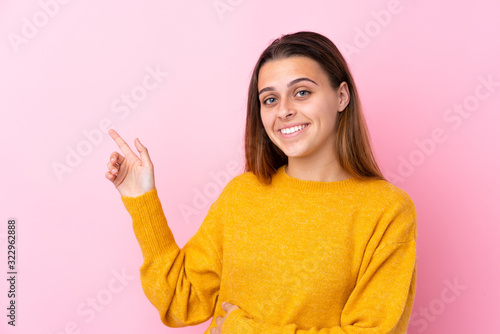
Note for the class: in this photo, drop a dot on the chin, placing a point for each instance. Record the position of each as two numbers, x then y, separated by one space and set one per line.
294 154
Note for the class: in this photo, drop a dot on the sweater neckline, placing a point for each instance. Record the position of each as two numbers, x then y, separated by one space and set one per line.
323 186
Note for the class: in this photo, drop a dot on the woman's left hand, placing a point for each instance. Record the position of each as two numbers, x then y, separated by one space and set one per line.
228 307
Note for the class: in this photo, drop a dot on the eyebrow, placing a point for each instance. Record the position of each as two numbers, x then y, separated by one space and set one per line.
290 84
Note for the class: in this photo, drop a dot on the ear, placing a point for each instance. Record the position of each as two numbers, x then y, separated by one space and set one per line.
344 96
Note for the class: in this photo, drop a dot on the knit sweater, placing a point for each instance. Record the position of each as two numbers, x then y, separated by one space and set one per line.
295 256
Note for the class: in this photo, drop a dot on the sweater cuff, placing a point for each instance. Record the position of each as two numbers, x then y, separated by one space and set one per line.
150 225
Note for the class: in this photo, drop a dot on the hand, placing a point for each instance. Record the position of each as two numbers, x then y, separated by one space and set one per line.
228 307
131 176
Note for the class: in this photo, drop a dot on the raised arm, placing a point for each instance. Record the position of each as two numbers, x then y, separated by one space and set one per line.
183 284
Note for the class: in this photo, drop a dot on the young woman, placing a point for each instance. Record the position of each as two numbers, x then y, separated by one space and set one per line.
310 239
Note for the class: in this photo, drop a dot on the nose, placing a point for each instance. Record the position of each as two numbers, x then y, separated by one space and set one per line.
286 110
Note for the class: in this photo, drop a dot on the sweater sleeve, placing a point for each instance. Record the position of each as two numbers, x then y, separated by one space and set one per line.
183 284
382 299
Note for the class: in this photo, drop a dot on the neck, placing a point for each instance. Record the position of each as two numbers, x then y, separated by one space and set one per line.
310 170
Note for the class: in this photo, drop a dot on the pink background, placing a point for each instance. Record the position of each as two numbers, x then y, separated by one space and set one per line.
63 74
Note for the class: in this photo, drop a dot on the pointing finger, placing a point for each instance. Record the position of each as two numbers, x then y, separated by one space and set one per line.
122 144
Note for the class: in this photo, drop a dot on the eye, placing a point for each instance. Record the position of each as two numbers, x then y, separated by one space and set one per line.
303 93
269 100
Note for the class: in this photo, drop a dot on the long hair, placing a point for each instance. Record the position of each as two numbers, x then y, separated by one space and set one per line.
353 148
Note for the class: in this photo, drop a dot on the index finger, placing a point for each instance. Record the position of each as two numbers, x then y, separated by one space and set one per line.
122 144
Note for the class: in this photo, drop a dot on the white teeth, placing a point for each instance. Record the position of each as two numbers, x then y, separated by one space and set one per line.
292 129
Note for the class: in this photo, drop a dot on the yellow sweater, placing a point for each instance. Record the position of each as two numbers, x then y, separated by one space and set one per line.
296 257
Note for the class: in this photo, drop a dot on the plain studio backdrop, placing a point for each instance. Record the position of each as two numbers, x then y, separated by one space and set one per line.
175 74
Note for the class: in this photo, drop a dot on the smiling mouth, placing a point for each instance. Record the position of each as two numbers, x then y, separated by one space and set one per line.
293 129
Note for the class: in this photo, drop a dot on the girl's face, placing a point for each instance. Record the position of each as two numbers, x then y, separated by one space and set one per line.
299 107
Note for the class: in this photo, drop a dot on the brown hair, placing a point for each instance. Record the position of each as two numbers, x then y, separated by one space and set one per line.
353 149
